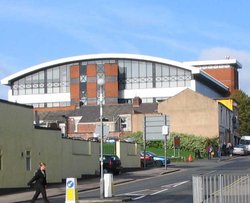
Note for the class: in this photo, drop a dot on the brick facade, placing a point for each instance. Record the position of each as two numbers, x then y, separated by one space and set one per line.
228 76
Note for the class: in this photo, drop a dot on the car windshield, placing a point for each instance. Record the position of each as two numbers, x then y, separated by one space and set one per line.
245 142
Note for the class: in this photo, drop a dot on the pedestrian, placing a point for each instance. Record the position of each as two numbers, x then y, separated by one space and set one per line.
209 150
40 183
219 153
229 148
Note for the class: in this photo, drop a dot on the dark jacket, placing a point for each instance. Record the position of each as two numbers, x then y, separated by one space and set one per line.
39 178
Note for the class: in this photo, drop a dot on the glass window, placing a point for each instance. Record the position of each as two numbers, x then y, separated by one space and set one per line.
35 78
158 70
149 69
56 74
28 91
127 64
135 69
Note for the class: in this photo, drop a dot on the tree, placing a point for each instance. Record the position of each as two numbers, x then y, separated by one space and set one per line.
243 101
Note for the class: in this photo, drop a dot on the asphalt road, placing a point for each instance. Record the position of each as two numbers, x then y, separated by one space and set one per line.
175 187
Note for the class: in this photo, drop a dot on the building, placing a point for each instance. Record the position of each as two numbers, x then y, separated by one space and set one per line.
65 92
68 83
193 113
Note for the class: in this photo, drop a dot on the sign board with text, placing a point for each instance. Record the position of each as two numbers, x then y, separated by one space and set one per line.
153 127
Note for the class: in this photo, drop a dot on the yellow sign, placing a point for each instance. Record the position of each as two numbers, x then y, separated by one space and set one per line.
71 191
227 102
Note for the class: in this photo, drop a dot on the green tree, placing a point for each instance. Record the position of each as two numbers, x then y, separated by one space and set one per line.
243 101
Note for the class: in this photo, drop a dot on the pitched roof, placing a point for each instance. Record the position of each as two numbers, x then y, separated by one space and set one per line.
92 113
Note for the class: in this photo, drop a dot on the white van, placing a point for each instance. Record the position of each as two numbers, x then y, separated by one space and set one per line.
245 140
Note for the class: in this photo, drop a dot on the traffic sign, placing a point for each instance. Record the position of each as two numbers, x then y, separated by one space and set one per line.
153 126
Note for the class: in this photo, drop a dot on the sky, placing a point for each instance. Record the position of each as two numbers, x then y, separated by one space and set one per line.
37 31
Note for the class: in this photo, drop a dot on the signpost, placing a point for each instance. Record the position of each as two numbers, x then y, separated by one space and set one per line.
156 127
71 191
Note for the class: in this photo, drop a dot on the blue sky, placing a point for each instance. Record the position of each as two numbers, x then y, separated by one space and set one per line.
36 31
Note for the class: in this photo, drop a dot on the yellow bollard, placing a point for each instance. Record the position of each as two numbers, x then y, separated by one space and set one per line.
71 191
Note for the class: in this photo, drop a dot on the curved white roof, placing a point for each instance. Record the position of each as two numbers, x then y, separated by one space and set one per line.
6 80
194 70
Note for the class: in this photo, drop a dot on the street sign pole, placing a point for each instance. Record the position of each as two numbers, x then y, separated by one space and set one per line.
144 144
165 152
165 131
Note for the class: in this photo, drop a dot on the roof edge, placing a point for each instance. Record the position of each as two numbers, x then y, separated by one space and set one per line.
6 80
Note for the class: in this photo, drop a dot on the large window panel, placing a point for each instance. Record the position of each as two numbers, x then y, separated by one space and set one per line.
135 69
127 64
143 69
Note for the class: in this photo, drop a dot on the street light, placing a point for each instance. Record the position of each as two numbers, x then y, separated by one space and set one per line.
100 82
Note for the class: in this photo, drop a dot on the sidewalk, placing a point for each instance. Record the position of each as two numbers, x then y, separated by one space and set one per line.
89 184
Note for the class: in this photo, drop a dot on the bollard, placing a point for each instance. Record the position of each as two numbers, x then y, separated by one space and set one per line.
71 191
108 185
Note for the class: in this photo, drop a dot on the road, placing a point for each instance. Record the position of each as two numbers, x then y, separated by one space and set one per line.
175 187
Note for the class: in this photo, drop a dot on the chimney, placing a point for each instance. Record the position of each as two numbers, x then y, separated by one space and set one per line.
137 102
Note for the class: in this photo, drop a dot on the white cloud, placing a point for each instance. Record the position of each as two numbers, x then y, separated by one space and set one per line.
243 57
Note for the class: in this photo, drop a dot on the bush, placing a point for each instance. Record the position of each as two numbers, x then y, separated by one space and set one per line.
187 142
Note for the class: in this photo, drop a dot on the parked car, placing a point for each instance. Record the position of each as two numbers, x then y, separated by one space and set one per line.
111 164
130 140
93 139
159 160
111 139
240 150
149 161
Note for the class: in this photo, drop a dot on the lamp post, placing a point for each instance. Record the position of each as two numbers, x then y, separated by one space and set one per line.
100 82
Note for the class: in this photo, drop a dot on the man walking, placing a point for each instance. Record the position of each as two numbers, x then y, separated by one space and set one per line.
40 183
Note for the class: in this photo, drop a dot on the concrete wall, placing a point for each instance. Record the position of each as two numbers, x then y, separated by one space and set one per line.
79 157
129 154
21 142
192 113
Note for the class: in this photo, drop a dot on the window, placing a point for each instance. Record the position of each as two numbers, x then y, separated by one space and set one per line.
28 160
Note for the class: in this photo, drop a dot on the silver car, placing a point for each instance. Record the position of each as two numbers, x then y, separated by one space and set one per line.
240 150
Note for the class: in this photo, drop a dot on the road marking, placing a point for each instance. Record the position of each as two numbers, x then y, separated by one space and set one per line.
139 197
181 183
155 193
166 188
175 184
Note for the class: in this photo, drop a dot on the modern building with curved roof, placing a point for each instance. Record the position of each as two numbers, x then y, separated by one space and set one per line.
70 82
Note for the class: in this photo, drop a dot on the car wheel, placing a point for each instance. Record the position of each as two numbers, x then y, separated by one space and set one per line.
158 163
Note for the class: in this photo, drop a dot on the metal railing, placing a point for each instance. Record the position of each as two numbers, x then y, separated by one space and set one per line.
221 189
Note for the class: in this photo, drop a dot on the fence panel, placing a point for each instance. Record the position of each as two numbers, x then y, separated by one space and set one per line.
221 189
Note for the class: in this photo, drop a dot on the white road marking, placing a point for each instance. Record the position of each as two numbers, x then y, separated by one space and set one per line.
140 194
175 184
155 193
139 197
181 183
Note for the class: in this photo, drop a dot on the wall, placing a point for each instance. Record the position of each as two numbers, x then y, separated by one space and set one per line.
192 113
64 157
129 154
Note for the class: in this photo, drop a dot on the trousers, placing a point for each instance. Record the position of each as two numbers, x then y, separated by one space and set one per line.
40 189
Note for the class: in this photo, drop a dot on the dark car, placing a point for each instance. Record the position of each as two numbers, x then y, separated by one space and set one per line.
111 164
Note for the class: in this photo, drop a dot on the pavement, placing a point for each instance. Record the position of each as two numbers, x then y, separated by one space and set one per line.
89 184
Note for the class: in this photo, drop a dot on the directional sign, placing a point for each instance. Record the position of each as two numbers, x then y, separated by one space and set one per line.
98 130
153 126
70 184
